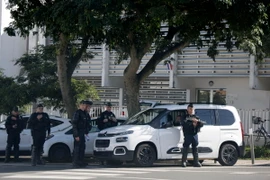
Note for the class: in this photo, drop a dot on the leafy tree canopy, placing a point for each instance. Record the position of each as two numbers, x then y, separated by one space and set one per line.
38 71
134 28
12 94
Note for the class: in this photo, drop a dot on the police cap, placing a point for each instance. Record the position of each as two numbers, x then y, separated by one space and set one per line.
88 102
40 105
15 109
109 104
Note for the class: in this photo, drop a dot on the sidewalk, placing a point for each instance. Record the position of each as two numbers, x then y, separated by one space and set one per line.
241 162
165 163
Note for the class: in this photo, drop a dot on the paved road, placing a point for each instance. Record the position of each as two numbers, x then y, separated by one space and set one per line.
23 171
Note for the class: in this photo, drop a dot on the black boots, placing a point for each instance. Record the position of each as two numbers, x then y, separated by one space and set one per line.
196 162
34 156
16 153
184 156
7 154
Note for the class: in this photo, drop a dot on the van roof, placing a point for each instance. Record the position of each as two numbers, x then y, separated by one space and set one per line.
196 106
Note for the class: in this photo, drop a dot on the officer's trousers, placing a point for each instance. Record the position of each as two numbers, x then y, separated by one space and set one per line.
79 150
37 149
13 140
191 139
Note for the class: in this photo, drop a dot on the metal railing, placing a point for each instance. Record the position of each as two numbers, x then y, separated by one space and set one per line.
246 118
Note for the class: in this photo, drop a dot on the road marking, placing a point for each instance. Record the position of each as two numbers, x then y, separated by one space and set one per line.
108 170
141 178
147 169
243 173
77 173
21 176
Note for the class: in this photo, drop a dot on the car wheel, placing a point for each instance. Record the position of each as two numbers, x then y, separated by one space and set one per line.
145 155
114 163
228 155
59 153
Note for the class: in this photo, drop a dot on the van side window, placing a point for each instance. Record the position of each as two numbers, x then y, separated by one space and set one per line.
225 117
207 115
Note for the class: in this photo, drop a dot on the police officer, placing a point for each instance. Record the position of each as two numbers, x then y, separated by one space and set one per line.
14 126
191 126
107 118
80 123
39 123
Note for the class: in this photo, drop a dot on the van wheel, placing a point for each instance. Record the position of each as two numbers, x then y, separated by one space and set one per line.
228 155
114 163
145 155
59 153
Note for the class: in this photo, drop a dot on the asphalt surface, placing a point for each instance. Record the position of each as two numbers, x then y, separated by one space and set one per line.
244 169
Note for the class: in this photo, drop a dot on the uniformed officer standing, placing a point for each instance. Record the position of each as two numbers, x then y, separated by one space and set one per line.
107 118
191 126
14 126
39 123
80 123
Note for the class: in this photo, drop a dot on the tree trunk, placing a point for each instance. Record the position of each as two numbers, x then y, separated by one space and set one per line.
64 78
132 86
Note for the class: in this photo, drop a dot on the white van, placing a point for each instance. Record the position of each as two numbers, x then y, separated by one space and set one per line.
151 135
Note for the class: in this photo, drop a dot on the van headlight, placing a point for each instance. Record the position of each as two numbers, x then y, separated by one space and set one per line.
125 133
122 139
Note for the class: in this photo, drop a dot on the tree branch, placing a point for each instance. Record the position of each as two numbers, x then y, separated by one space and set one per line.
74 60
150 67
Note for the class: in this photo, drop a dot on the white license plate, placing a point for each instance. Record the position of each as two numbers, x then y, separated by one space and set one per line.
101 149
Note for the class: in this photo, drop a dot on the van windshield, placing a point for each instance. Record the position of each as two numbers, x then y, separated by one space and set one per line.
144 117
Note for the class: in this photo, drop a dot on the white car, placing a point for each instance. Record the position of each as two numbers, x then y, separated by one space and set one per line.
151 135
57 124
59 147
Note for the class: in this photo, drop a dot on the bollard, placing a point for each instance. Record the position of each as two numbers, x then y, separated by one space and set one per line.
252 146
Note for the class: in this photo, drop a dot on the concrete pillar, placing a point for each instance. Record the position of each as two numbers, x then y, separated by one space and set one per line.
173 72
105 66
253 72
188 95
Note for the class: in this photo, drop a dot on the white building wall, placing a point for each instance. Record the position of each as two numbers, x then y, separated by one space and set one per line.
11 48
238 92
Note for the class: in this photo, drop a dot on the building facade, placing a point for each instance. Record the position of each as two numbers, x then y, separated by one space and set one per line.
190 76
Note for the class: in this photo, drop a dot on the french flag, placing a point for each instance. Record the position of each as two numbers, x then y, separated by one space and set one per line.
169 65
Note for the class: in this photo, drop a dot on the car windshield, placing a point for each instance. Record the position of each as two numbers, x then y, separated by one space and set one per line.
144 117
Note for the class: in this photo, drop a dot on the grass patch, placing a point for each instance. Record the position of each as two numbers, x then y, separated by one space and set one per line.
260 153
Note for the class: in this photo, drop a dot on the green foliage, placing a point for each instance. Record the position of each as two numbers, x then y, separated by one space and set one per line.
39 73
260 152
84 90
134 28
12 94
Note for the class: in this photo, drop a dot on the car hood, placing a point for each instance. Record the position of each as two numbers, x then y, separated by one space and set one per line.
123 128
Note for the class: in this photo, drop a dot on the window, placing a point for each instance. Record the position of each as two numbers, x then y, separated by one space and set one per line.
216 96
225 117
207 115
144 117
55 122
93 130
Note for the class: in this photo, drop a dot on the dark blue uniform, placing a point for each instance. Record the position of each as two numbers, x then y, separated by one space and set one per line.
81 127
106 115
38 127
191 138
14 126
